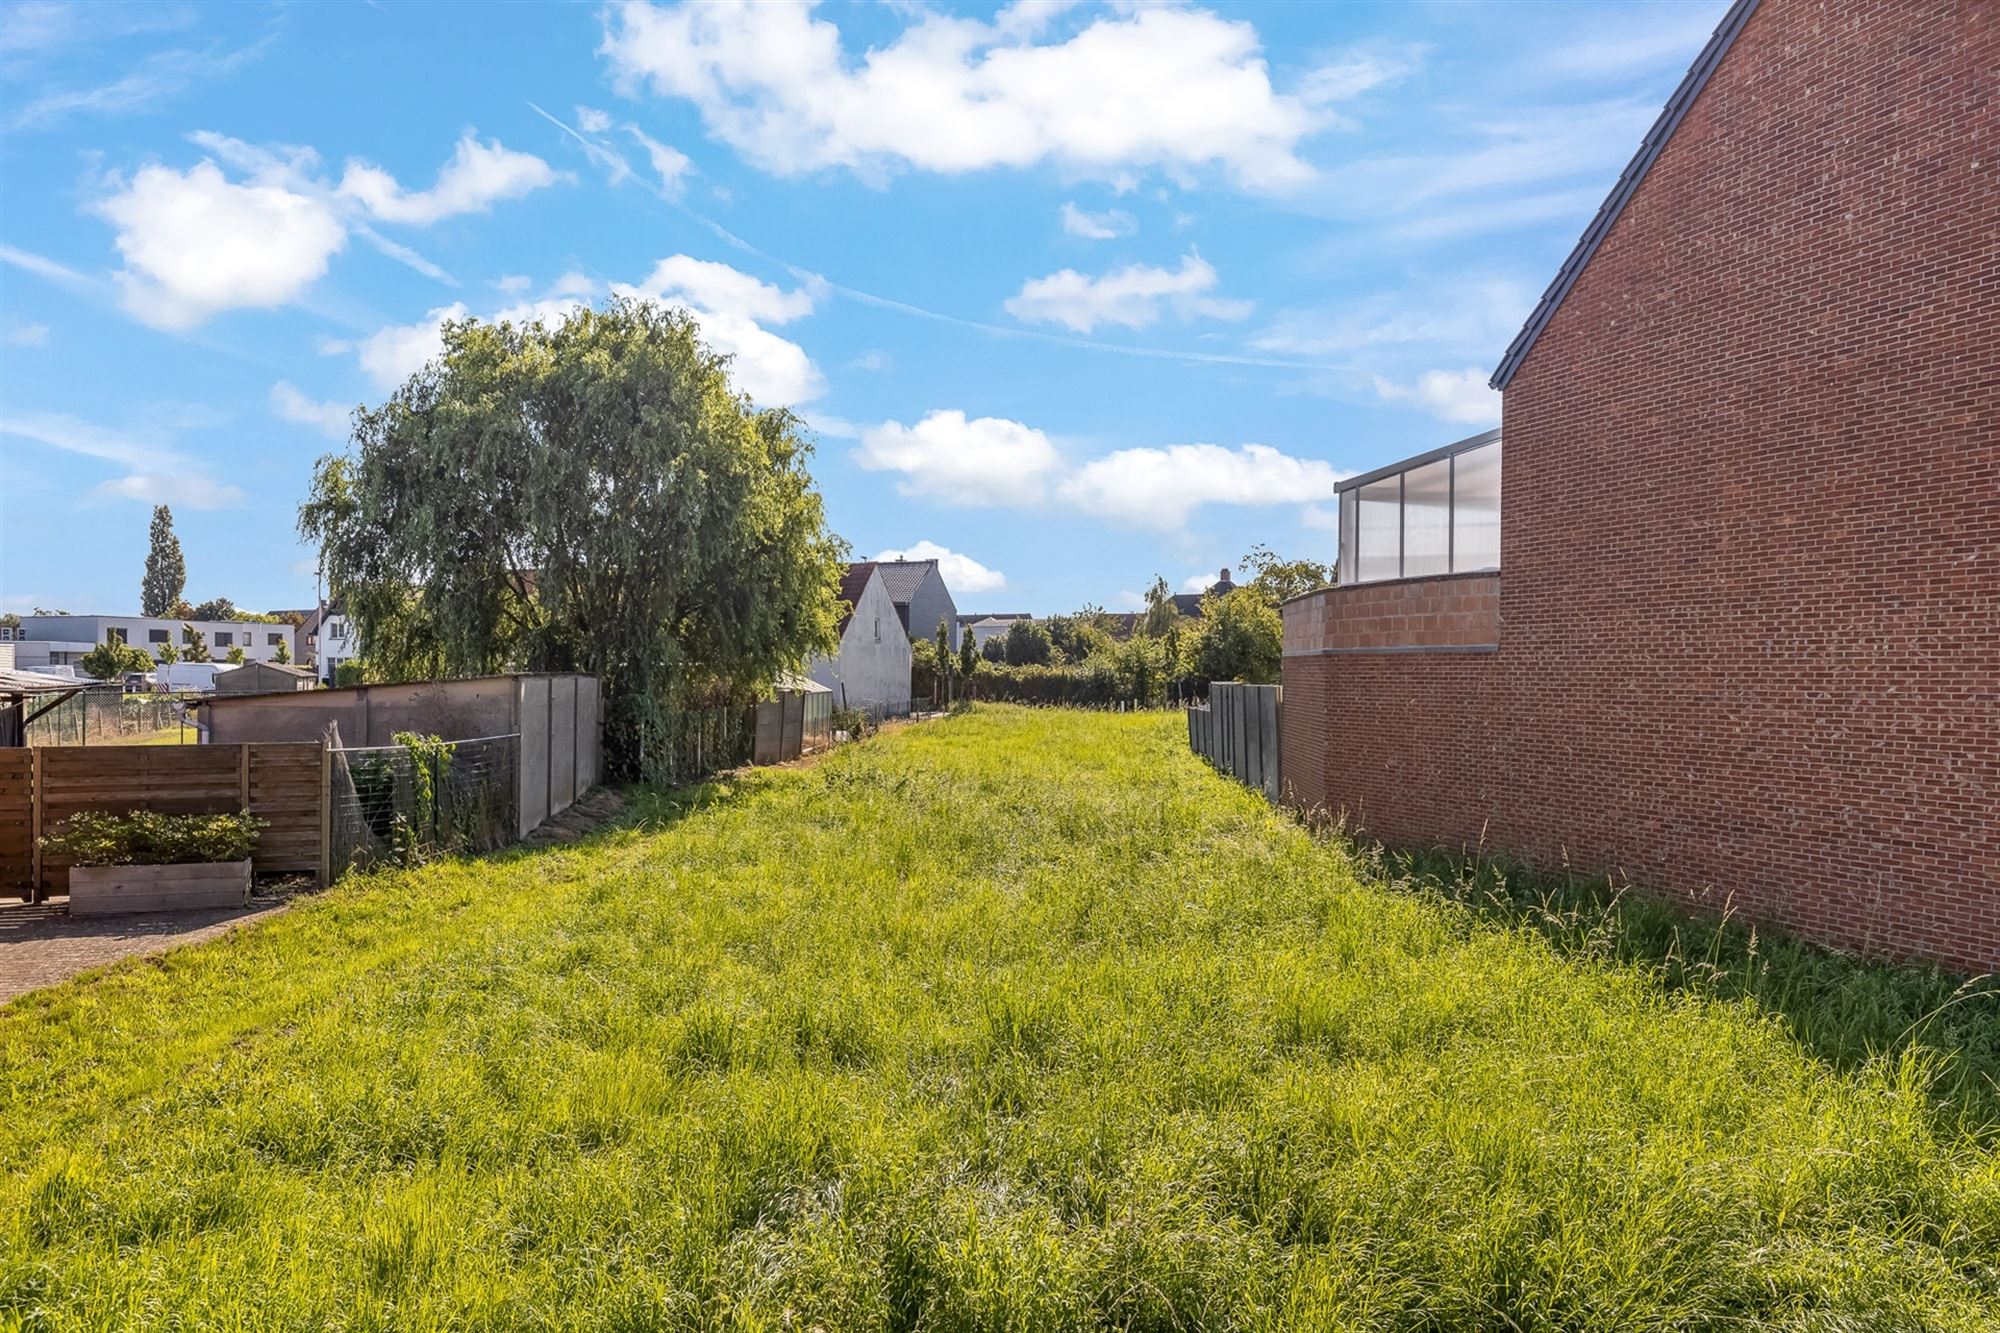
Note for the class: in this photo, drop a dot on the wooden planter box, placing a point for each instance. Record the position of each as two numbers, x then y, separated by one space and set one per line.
108 890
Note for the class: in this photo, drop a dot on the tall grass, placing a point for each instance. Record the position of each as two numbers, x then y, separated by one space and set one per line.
1022 1020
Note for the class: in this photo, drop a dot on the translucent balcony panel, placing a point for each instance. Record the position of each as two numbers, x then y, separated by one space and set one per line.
1347 507
1427 520
1475 518
1379 530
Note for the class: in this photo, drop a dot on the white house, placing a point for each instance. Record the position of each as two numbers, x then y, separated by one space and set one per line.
985 627
45 641
871 670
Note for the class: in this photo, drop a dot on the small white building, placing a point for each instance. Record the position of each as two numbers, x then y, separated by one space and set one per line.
871 669
46 641
983 628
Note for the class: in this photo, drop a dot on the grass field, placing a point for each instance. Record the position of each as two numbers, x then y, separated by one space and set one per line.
1022 1020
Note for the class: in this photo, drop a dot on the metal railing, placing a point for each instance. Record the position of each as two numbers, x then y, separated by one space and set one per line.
403 804
106 715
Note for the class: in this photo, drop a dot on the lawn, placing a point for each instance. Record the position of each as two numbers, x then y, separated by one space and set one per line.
1021 1020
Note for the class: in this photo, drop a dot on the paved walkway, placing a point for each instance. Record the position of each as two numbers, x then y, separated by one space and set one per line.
42 944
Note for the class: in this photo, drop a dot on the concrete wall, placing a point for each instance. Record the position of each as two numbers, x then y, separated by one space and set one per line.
929 604
1749 624
368 714
561 741
872 669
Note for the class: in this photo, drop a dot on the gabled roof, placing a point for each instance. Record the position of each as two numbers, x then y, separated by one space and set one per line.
903 577
1628 183
852 584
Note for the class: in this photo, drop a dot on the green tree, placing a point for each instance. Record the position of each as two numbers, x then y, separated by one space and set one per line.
1240 637
945 660
283 655
10 621
968 653
108 661
234 655
166 571
995 649
196 646
166 654
1028 644
1279 580
216 608
1161 613
590 497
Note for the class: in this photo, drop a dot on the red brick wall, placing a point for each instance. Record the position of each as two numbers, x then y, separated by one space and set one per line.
1750 621
1460 611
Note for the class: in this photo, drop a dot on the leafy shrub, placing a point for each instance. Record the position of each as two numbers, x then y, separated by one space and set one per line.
95 838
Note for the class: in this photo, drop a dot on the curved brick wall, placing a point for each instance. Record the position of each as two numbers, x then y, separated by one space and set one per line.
1749 629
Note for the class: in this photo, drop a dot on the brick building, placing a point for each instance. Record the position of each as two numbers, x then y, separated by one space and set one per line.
1742 643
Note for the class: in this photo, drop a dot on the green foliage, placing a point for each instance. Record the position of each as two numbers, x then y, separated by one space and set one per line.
166 571
1161 613
216 608
968 652
108 661
1028 644
1240 636
166 654
282 654
1076 637
235 655
10 620
94 838
1280 580
1024 1020
592 497
354 671
196 647
995 649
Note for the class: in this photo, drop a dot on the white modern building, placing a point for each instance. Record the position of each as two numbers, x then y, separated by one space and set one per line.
45 641
326 640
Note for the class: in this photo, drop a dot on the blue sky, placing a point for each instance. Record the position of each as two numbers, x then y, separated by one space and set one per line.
1077 295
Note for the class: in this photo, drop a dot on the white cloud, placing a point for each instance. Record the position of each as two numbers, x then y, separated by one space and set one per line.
25 335
196 244
982 461
186 490
1201 582
1319 518
592 121
157 77
1134 296
478 176
732 308
1105 226
670 164
961 573
43 267
329 419
157 472
1636 40
1170 88
1449 395
1160 487
1127 600
706 285
391 355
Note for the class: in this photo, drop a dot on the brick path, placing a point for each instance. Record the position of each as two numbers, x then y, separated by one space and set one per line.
42 944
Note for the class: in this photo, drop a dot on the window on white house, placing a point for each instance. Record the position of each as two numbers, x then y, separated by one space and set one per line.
156 636
225 639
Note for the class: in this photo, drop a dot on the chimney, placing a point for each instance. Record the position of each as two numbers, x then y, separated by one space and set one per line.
1223 584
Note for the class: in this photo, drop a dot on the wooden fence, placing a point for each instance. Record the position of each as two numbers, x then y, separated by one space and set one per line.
1237 731
41 786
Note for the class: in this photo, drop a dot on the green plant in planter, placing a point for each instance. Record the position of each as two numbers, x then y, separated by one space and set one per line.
95 838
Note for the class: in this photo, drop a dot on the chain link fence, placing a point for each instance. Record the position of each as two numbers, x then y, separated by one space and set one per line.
404 804
109 716
690 744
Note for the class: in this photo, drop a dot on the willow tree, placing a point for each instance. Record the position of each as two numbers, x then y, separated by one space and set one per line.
589 497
